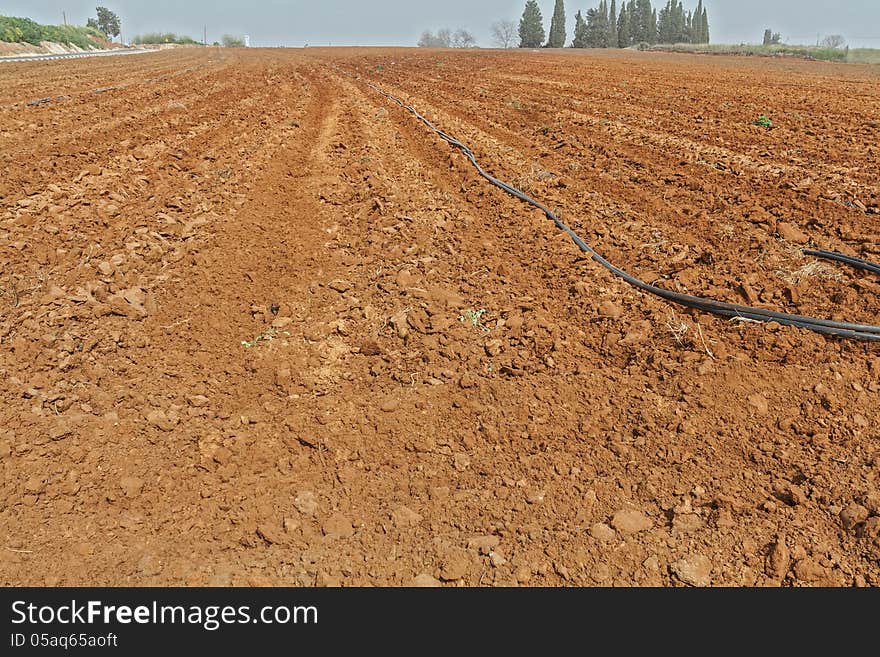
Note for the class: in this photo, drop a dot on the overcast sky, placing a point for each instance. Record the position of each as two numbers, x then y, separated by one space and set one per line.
400 22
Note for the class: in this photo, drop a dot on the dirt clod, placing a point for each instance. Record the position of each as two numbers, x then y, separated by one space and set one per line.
424 580
629 522
693 570
853 515
337 526
602 532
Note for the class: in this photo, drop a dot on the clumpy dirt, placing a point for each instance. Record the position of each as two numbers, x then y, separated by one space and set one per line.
259 327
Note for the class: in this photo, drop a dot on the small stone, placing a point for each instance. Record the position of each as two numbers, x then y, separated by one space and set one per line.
484 544
493 347
496 558
791 233
306 503
686 523
135 296
105 268
340 286
461 462
467 381
161 421
389 405
60 432
198 401
424 580
759 403
693 570
337 526
132 486
610 310
291 525
853 515
561 570
535 497
405 517
602 532
631 522
400 323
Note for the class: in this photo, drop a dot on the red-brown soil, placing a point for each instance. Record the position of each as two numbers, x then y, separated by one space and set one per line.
162 210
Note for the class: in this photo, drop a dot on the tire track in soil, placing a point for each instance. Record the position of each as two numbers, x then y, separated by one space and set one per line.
261 257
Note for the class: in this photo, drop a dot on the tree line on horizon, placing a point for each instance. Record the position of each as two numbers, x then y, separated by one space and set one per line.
605 27
446 38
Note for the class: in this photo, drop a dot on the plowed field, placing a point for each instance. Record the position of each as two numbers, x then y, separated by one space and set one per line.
259 326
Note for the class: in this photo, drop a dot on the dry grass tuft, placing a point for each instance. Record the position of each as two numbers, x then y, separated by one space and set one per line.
805 268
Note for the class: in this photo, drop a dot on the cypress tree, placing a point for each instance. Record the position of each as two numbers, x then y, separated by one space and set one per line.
611 40
604 25
557 26
624 29
705 26
632 19
697 24
645 24
664 25
580 32
531 26
596 29
680 24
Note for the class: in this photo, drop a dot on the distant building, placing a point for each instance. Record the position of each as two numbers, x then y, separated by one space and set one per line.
247 41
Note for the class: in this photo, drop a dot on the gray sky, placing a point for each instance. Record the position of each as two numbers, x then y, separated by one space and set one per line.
400 22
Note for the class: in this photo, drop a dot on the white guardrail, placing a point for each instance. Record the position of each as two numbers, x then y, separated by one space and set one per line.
74 55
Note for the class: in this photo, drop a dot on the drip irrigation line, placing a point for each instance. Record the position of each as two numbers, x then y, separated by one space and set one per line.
852 261
733 311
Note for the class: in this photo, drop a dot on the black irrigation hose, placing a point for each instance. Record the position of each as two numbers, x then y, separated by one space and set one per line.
735 311
858 263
